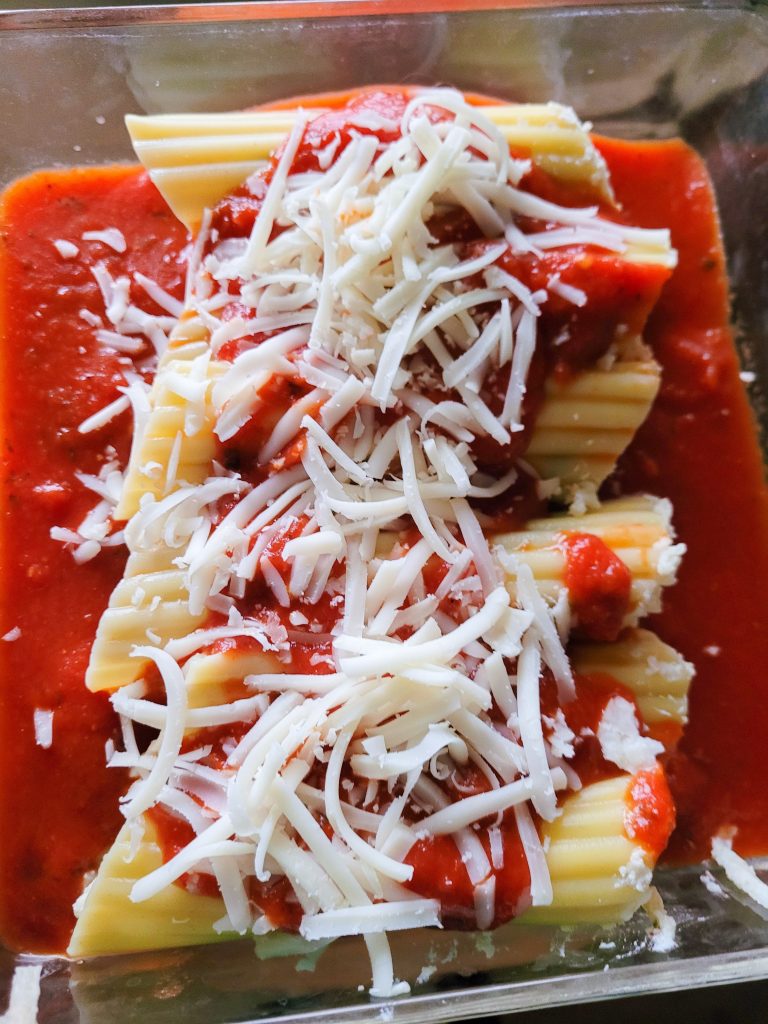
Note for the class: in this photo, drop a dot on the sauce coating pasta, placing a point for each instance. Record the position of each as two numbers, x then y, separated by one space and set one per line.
78 377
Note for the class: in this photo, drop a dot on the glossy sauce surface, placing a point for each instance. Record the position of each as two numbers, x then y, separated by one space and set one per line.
58 377
698 448
598 586
59 806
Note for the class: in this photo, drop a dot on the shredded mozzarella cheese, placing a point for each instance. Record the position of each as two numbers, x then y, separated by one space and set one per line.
387 342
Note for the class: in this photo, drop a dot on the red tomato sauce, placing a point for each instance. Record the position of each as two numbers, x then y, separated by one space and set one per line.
698 448
58 376
598 586
438 873
275 897
650 815
619 294
59 806
582 715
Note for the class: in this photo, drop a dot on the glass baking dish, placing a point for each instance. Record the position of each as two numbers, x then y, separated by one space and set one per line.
649 70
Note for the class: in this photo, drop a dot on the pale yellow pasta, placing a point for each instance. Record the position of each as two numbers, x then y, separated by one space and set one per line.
586 423
195 159
188 339
657 675
110 922
149 608
150 605
599 875
637 529
556 140
218 678
167 435
150 561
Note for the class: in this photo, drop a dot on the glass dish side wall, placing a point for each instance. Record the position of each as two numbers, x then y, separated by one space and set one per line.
646 71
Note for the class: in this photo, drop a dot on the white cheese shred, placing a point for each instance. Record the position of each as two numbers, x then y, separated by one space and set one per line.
25 995
739 871
43 722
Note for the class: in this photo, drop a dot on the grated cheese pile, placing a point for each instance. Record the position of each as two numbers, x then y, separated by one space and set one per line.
390 339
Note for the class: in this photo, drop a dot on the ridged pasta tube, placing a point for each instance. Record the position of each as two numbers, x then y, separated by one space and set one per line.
188 339
586 422
177 441
637 529
599 874
110 923
657 675
211 679
219 678
196 159
145 608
